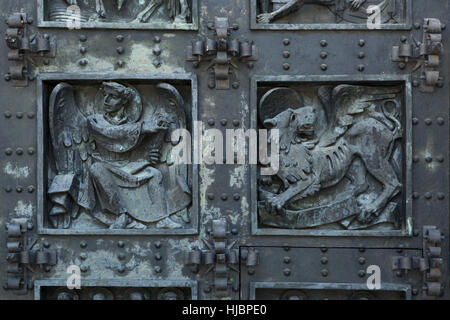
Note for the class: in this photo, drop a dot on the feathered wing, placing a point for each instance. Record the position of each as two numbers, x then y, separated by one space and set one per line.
346 101
70 145
178 190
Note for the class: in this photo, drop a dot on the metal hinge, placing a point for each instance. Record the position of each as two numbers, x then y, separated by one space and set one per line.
21 46
426 54
21 258
430 264
220 52
220 256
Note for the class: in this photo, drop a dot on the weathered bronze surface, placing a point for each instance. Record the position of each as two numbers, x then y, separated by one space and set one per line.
93 90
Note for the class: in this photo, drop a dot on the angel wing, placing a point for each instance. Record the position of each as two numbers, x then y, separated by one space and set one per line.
343 102
179 193
70 145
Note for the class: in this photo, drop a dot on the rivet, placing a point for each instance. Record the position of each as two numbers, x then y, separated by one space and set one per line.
361 273
119 38
441 196
428 121
324 273
323 43
121 256
158 269
158 244
415 159
398 274
211 122
440 121
224 122
19 151
428 159
224 196
8 189
8 114
19 115
83 244
121 269
19 189
415 195
8 151
324 66
287 260
235 84
207 289
158 256
415 121
286 247
83 256
120 244
323 54
402 65
31 189
157 39
120 50
236 123
324 249
48 268
84 268
234 231
157 52
324 260
362 43
251 271
46 244
83 62
287 272
83 50
417 25
30 151
440 158
83 38
120 63
428 196
361 55
362 249
286 54
415 83
286 42
361 68
31 115
362 260
403 38
210 196
236 196
286 66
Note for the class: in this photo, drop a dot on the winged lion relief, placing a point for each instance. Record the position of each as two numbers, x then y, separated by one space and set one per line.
341 158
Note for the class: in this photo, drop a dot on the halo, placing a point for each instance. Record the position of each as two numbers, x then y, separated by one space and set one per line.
133 110
277 100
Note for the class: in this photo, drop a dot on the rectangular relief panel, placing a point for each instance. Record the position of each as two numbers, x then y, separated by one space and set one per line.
106 157
331 14
118 14
344 156
117 290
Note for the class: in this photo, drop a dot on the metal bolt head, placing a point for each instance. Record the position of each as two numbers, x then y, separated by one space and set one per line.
7 76
46 244
324 55
323 43
158 244
19 115
428 121
361 273
428 195
415 121
286 54
324 249
287 260
120 244
286 66
19 151
83 244
158 269
287 272
361 68
362 43
224 122
31 189
286 42
121 256
324 260
157 39
235 84
224 197
402 65
83 38
415 195
440 121
251 271
210 196
324 273
119 38
8 151
30 151
19 189
361 55
83 256
84 268
234 231
236 196
158 256
121 269
8 114
324 66
441 196
120 50
83 62
236 123
83 50
362 260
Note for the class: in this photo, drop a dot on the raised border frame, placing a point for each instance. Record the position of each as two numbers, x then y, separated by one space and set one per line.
328 286
407 227
41 175
42 23
327 26
193 285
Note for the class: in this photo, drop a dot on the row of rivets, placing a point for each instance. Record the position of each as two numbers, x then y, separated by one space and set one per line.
429 195
223 196
223 122
19 151
429 159
19 115
286 54
19 189
428 121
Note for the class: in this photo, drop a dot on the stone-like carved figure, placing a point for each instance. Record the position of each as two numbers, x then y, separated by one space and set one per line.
179 10
110 163
353 11
95 10
360 138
